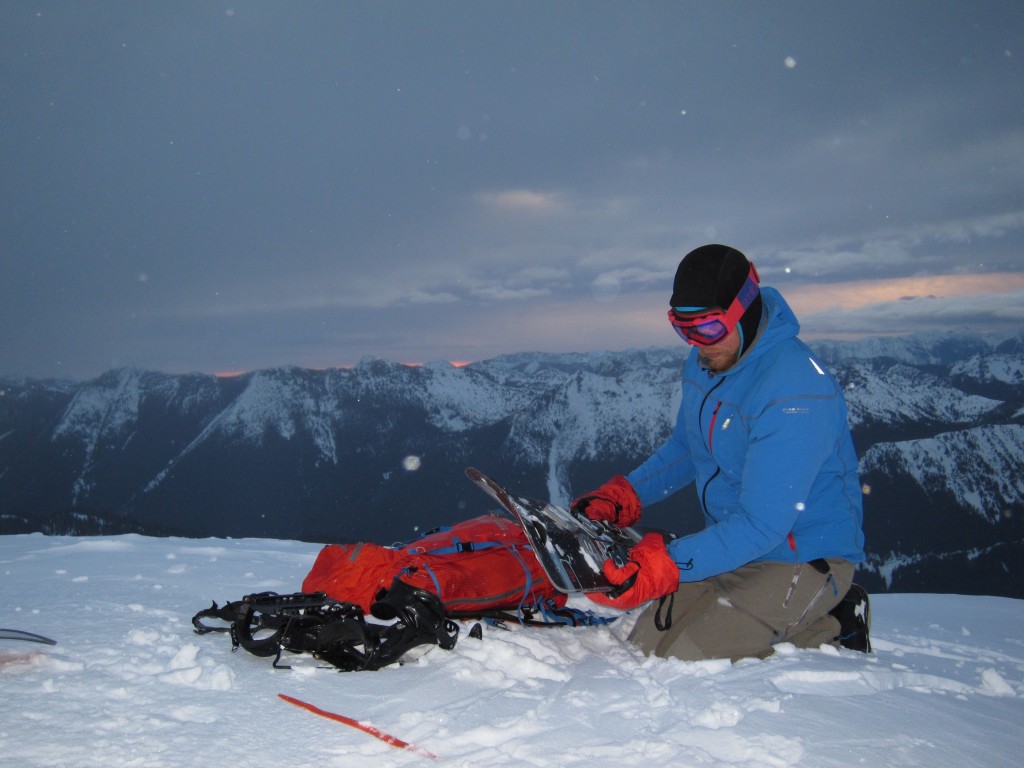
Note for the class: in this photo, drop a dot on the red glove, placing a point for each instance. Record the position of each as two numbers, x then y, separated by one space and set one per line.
615 501
650 570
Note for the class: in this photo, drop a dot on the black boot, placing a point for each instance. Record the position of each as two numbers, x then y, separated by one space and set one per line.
854 616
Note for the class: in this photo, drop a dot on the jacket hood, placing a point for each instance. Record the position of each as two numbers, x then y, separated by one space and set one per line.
778 322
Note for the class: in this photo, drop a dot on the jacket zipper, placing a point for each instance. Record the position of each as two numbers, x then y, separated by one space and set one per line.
711 437
711 428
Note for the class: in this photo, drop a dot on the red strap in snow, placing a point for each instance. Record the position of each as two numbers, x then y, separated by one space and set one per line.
373 730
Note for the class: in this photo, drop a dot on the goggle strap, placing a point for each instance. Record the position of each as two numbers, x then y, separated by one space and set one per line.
729 319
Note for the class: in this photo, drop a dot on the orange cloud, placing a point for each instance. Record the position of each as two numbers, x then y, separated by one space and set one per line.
522 201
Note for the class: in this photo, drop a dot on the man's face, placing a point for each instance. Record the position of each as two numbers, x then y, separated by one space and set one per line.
723 355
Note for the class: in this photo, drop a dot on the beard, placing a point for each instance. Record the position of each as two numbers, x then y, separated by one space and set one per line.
716 361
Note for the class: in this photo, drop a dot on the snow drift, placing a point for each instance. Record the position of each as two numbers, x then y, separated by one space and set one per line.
129 684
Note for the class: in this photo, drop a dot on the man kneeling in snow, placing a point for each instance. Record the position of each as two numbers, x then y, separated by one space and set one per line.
762 433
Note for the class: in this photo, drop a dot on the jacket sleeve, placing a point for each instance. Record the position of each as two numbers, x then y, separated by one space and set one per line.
666 471
789 443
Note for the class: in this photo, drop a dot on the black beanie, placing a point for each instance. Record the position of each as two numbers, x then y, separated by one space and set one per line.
712 276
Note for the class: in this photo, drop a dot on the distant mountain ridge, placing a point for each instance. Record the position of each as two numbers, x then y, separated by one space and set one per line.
377 452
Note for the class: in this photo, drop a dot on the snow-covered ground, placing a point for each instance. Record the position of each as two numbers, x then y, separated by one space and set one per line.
129 684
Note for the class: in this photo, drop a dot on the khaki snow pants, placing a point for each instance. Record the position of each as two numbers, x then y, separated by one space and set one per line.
745 612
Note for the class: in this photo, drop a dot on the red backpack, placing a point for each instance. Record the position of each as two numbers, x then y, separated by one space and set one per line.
477 567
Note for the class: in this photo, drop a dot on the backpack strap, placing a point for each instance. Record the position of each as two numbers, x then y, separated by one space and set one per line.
543 613
454 548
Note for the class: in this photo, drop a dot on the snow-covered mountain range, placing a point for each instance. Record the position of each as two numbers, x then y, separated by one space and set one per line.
377 452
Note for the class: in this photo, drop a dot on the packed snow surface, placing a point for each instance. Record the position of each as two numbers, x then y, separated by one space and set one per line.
130 684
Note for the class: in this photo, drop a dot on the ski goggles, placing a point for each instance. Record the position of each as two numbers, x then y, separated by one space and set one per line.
705 327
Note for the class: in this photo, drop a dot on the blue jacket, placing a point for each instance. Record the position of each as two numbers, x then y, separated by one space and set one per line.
768 445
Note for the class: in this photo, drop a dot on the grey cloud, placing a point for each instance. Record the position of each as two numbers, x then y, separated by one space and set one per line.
291 177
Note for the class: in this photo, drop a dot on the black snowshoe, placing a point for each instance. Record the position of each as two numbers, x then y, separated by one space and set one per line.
267 624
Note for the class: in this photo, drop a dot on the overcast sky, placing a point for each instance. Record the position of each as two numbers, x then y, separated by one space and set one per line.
224 186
